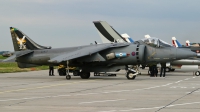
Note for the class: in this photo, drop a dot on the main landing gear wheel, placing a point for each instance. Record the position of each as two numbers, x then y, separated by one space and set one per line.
68 77
85 75
62 72
197 73
130 76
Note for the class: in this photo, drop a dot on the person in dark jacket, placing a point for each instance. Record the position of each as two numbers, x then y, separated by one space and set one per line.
163 69
156 70
152 71
51 70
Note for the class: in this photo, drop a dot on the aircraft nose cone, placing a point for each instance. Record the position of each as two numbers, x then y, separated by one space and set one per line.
184 54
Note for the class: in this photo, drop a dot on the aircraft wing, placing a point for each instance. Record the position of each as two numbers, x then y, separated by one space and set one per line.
86 51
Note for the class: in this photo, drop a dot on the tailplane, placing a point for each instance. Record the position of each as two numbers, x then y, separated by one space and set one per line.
22 42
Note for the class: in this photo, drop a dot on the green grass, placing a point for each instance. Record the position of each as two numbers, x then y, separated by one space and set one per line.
12 67
1 57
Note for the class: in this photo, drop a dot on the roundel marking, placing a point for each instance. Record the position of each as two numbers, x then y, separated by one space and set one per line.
120 54
133 53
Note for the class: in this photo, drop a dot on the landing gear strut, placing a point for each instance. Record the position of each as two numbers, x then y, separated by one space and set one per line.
68 77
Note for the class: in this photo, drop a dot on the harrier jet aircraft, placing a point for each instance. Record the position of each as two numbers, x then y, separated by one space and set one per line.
191 64
108 33
96 57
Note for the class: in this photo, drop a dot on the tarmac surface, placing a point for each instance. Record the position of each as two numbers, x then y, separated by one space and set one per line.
36 91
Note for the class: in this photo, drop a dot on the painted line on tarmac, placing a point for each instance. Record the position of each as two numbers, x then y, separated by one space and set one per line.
32 98
152 107
168 84
102 101
179 81
187 79
42 87
108 92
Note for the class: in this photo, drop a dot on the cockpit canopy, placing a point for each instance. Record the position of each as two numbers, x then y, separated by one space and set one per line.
155 42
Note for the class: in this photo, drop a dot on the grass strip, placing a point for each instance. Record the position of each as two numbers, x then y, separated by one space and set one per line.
1 57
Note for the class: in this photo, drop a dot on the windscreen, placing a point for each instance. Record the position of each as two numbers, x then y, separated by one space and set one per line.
155 42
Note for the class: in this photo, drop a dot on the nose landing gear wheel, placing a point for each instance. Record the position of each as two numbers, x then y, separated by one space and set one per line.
130 76
68 77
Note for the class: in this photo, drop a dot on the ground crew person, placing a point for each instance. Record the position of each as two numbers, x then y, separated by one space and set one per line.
163 69
51 70
156 70
153 69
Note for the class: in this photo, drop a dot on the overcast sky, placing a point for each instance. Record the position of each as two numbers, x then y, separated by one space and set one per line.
63 23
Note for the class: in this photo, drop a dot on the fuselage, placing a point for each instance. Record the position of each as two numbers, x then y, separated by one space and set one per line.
135 54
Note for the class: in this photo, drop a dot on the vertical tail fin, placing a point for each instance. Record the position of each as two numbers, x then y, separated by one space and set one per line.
23 42
176 42
107 33
187 43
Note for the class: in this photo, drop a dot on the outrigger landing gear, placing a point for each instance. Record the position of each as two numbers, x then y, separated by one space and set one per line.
68 77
